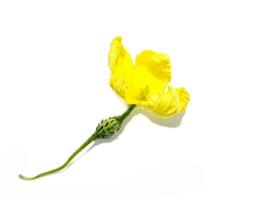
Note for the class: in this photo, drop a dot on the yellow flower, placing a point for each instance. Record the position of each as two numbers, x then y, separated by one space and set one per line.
145 82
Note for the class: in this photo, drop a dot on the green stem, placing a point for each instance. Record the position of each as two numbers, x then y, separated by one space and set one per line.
126 113
72 156
92 138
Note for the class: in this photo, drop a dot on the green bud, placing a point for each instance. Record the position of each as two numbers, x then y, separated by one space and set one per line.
108 127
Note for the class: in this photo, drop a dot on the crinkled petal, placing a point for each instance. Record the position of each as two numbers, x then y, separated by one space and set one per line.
158 64
151 74
170 102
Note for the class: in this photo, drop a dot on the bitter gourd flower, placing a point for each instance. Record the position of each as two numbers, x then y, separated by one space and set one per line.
143 83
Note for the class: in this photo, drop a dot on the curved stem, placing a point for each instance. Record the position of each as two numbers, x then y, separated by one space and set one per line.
85 144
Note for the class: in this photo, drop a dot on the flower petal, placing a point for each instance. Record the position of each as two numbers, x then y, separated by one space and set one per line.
158 64
170 102
152 72
121 66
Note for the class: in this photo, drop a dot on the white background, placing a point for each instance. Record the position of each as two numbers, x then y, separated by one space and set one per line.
54 89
